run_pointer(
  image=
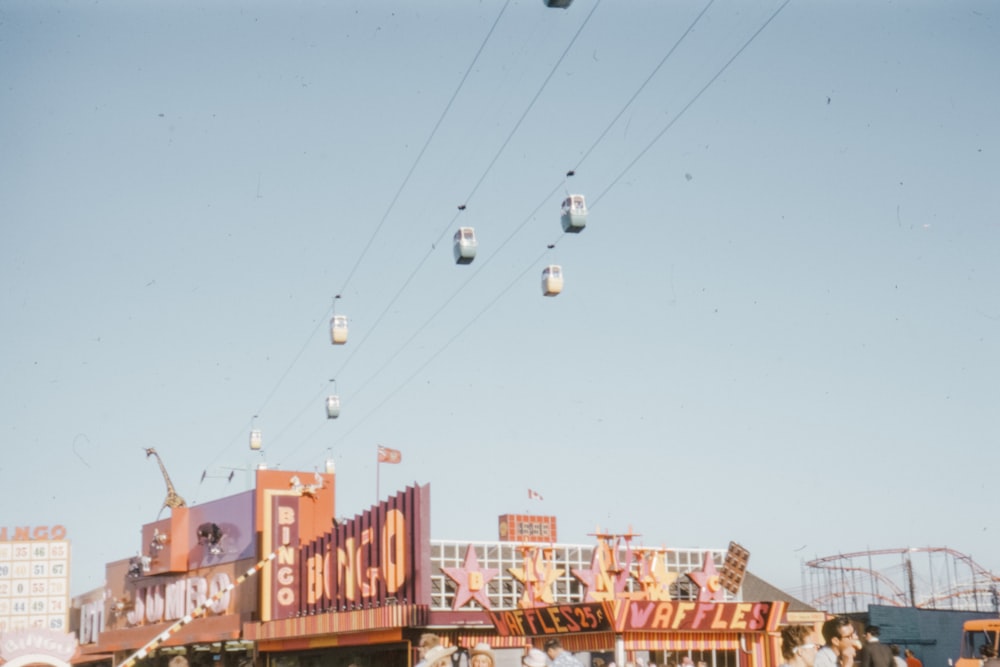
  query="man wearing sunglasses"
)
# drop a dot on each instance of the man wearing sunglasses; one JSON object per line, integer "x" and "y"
{"x": 841, "y": 644}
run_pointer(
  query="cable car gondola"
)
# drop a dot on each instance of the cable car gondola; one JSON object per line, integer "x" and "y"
{"x": 256, "y": 440}
{"x": 574, "y": 214}
{"x": 465, "y": 245}
{"x": 332, "y": 407}
{"x": 552, "y": 280}
{"x": 338, "y": 329}
{"x": 560, "y": 4}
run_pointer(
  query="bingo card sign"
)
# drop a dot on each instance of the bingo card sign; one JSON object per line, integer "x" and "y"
{"x": 34, "y": 578}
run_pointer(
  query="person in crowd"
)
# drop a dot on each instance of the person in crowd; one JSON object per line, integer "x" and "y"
{"x": 559, "y": 656}
{"x": 875, "y": 653}
{"x": 481, "y": 655}
{"x": 989, "y": 654}
{"x": 897, "y": 657}
{"x": 841, "y": 643}
{"x": 911, "y": 659}
{"x": 427, "y": 641}
{"x": 799, "y": 645}
{"x": 438, "y": 655}
{"x": 534, "y": 658}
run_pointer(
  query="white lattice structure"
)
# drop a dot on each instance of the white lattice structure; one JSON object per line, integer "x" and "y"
{"x": 504, "y": 590}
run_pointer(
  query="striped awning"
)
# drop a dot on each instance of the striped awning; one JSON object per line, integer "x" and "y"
{"x": 469, "y": 638}
{"x": 91, "y": 658}
{"x": 681, "y": 641}
{"x": 576, "y": 643}
{"x": 393, "y": 616}
{"x": 591, "y": 641}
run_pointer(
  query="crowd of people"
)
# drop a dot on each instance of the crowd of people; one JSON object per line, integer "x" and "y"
{"x": 837, "y": 645}
{"x": 434, "y": 654}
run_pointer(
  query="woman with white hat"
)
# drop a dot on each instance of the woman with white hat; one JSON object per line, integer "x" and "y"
{"x": 482, "y": 656}
{"x": 535, "y": 658}
{"x": 439, "y": 656}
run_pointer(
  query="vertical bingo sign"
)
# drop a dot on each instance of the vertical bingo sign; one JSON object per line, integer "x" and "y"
{"x": 34, "y": 578}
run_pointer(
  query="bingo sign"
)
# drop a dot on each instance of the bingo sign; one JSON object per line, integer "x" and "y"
{"x": 34, "y": 578}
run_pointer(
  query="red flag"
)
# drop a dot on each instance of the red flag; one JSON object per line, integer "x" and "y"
{"x": 388, "y": 455}
{"x": 534, "y": 495}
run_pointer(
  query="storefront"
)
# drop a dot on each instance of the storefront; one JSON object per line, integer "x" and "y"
{"x": 360, "y": 592}
{"x": 202, "y": 575}
{"x": 369, "y": 588}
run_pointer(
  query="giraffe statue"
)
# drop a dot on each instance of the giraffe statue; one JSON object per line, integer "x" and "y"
{"x": 173, "y": 498}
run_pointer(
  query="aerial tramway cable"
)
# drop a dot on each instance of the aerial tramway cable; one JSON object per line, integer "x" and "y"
{"x": 385, "y": 216}
{"x": 604, "y": 192}
{"x": 595, "y": 201}
{"x": 437, "y": 240}
{"x": 690, "y": 103}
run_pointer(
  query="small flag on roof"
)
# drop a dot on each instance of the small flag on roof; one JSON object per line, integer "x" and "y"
{"x": 389, "y": 455}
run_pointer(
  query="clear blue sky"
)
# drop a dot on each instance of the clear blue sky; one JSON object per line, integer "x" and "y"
{"x": 780, "y": 326}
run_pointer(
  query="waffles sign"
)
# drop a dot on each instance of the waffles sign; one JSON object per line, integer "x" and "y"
{"x": 696, "y": 616}
{"x": 552, "y": 620}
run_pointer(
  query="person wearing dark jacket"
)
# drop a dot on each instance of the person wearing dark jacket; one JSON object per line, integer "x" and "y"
{"x": 874, "y": 653}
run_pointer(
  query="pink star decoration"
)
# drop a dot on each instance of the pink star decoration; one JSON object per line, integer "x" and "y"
{"x": 470, "y": 581}
{"x": 537, "y": 576}
{"x": 599, "y": 584}
{"x": 708, "y": 581}
{"x": 652, "y": 574}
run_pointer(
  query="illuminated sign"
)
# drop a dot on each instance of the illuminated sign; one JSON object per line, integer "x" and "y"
{"x": 537, "y": 576}
{"x": 527, "y": 528}
{"x": 470, "y": 580}
{"x": 91, "y": 622}
{"x": 805, "y": 617}
{"x": 694, "y": 616}
{"x": 552, "y": 620}
{"x": 37, "y": 533}
{"x": 372, "y": 559}
{"x": 734, "y": 568}
{"x": 34, "y": 579}
{"x": 32, "y": 647}
{"x": 284, "y": 583}
{"x": 169, "y": 602}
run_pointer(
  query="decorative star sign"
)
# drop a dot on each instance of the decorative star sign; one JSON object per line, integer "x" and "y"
{"x": 710, "y": 588}
{"x": 598, "y": 582}
{"x": 537, "y": 576}
{"x": 653, "y": 576}
{"x": 548, "y": 575}
{"x": 624, "y": 569}
{"x": 470, "y": 581}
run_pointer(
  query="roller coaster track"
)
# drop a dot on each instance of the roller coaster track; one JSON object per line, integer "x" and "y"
{"x": 863, "y": 577}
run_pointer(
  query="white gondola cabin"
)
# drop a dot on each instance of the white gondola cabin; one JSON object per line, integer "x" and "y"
{"x": 332, "y": 407}
{"x": 574, "y": 214}
{"x": 338, "y": 329}
{"x": 256, "y": 440}
{"x": 552, "y": 280}
{"x": 465, "y": 245}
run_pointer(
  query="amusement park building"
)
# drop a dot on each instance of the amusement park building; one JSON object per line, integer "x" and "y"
{"x": 270, "y": 577}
